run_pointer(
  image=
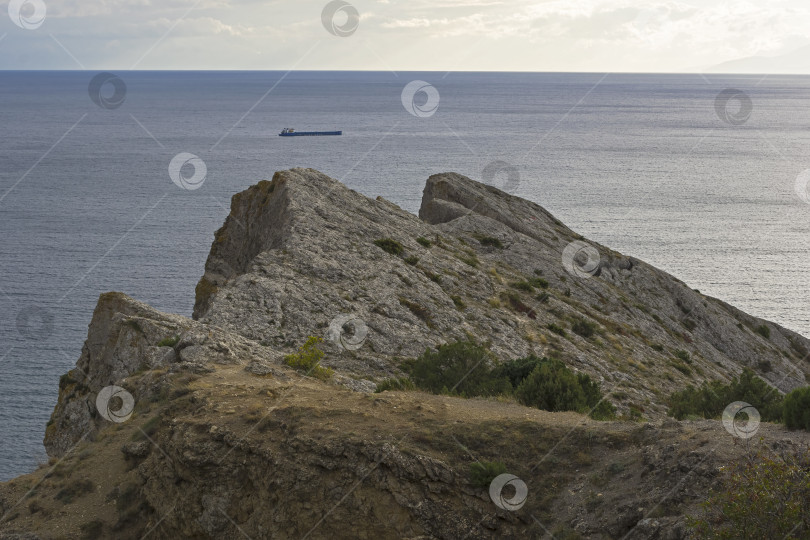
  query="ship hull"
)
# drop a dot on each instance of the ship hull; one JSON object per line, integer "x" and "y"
{"x": 310, "y": 133}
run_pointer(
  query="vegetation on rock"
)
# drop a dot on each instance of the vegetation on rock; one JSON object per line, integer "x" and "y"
{"x": 308, "y": 359}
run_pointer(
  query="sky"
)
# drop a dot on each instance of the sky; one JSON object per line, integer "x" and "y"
{"x": 442, "y": 35}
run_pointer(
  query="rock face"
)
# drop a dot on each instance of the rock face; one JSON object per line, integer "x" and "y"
{"x": 224, "y": 439}
{"x": 297, "y": 252}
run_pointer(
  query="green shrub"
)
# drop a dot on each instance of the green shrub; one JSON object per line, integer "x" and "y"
{"x": 522, "y": 286}
{"x": 308, "y": 359}
{"x": 462, "y": 368}
{"x": 554, "y": 387}
{"x": 424, "y": 241}
{"x": 471, "y": 260}
{"x": 557, "y": 329}
{"x": 400, "y": 383}
{"x": 797, "y": 409}
{"x": 761, "y": 497}
{"x": 458, "y": 301}
{"x": 482, "y": 473}
{"x": 169, "y": 341}
{"x": 657, "y": 347}
{"x": 389, "y": 245}
{"x": 517, "y": 370}
{"x": 542, "y": 297}
{"x": 76, "y": 488}
{"x": 710, "y": 399}
{"x": 435, "y": 278}
{"x": 763, "y": 331}
{"x": 417, "y": 309}
{"x": 489, "y": 241}
{"x": 584, "y": 328}
{"x": 689, "y": 324}
{"x": 538, "y": 282}
{"x": 681, "y": 354}
{"x": 412, "y": 260}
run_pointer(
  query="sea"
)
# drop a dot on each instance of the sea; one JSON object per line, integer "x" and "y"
{"x": 116, "y": 181}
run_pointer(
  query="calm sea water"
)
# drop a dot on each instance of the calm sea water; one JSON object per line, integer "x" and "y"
{"x": 643, "y": 164}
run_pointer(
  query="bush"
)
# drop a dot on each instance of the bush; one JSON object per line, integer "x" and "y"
{"x": 401, "y": 383}
{"x": 763, "y": 331}
{"x": 554, "y": 387}
{"x": 424, "y": 242}
{"x": 522, "y": 286}
{"x": 308, "y": 359}
{"x": 462, "y": 368}
{"x": 797, "y": 409}
{"x": 75, "y": 489}
{"x": 538, "y": 282}
{"x": 557, "y": 329}
{"x": 489, "y": 241}
{"x": 680, "y": 354}
{"x": 709, "y": 400}
{"x": 583, "y": 328}
{"x": 459, "y": 303}
{"x": 762, "y": 497}
{"x": 482, "y": 473}
{"x": 517, "y": 370}
{"x": 169, "y": 341}
{"x": 389, "y": 245}
{"x": 412, "y": 260}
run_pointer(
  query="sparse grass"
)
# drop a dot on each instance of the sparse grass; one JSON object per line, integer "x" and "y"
{"x": 400, "y": 383}
{"x": 417, "y": 309}
{"x": 459, "y": 303}
{"x": 489, "y": 241}
{"x": 524, "y": 286}
{"x": 682, "y": 355}
{"x": 557, "y": 329}
{"x": 435, "y": 278}
{"x": 148, "y": 429}
{"x": 764, "y": 331}
{"x": 412, "y": 260}
{"x": 584, "y": 328}
{"x": 169, "y": 341}
{"x": 471, "y": 260}
{"x": 424, "y": 242}
{"x": 482, "y": 473}
{"x": 75, "y": 489}
{"x": 389, "y": 245}
{"x": 542, "y": 297}
{"x": 539, "y": 282}
{"x": 689, "y": 324}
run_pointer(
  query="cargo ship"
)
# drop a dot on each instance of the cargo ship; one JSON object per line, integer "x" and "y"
{"x": 289, "y": 132}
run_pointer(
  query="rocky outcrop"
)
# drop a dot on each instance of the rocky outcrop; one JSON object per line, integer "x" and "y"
{"x": 213, "y": 436}
{"x": 298, "y": 252}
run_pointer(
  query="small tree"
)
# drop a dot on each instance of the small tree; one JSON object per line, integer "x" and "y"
{"x": 762, "y": 497}
{"x": 797, "y": 409}
{"x": 462, "y": 368}
{"x": 308, "y": 359}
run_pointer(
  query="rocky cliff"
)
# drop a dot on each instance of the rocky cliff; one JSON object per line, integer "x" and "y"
{"x": 203, "y": 432}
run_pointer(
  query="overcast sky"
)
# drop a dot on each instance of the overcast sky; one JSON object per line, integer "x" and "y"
{"x": 509, "y": 35}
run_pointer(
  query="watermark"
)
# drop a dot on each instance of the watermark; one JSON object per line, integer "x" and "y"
{"x": 185, "y": 161}
{"x": 99, "y": 94}
{"x": 516, "y": 501}
{"x": 115, "y": 404}
{"x": 581, "y": 259}
{"x": 35, "y": 323}
{"x": 27, "y": 14}
{"x": 741, "y": 419}
{"x": 421, "y": 108}
{"x": 802, "y": 180}
{"x": 498, "y": 168}
{"x": 349, "y": 332}
{"x": 340, "y": 18}
{"x": 731, "y": 114}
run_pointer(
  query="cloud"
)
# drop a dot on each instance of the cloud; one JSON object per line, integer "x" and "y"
{"x": 592, "y": 35}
